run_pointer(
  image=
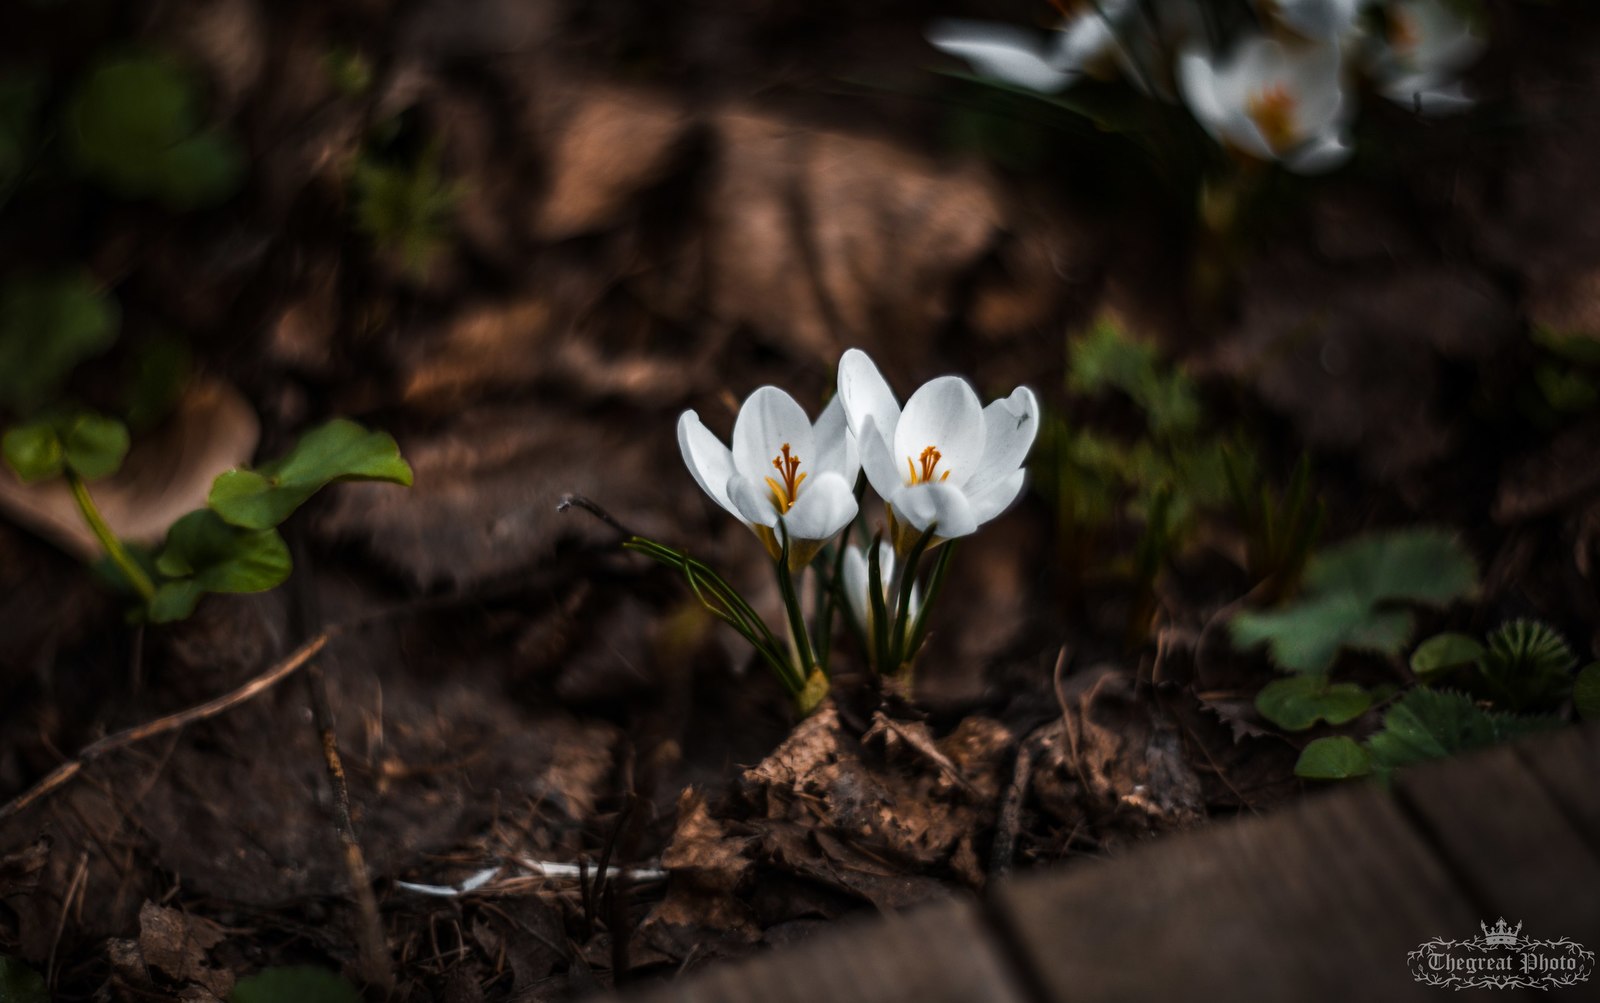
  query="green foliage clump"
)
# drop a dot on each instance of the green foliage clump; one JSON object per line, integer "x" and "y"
{"x": 1526, "y": 665}
{"x": 1424, "y": 724}
{"x": 1352, "y": 596}
{"x": 1351, "y": 601}
{"x": 294, "y": 984}
{"x": 134, "y": 124}
{"x": 88, "y": 444}
{"x": 406, "y": 208}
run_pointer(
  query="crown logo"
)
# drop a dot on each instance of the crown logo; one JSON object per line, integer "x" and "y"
{"x": 1500, "y": 935}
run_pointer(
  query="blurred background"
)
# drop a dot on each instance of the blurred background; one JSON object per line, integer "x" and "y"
{"x": 522, "y": 236}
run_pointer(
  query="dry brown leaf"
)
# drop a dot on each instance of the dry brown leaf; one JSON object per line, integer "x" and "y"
{"x": 167, "y": 474}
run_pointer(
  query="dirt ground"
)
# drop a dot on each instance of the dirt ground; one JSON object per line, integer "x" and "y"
{"x": 663, "y": 208}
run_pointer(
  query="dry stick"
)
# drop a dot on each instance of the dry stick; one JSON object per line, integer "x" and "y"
{"x": 161, "y": 725}
{"x": 375, "y": 961}
{"x": 1009, "y": 823}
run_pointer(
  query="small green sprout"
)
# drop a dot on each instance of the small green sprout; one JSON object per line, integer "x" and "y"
{"x": 1526, "y": 665}
{"x": 407, "y": 208}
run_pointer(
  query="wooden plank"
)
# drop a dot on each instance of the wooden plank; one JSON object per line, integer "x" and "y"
{"x": 1319, "y": 903}
{"x": 1509, "y": 844}
{"x": 934, "y": 954}
{"x": 1567, "y": 762}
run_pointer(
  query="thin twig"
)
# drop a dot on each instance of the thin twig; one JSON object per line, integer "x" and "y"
{"x": 1009, "y": 822}
{"x": 75, "y": 888}
{"x": 595, "y": 509}
{"x": 161, "y": 725}
{"x": 375, "y": 961}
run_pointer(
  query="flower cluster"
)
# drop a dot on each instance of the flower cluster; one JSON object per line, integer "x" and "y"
{"x": 1269, "y": 78}
{"x": 943, "y": 465}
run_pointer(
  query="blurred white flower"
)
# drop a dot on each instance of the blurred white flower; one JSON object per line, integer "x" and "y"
{"x": 781, "y": 469}
{"x": 1422, "y": 48}
{"x": 1272, "y": 101}
{"x": 858, "y": 585}
{"x": 1317, "y": 20}
{"x": 945, "y": 459}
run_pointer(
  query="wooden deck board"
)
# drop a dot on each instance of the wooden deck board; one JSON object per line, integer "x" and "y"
{"x": 935, "y": 954}
{"x": 1507, "y": 841}
{"x": 1320, "y": 904}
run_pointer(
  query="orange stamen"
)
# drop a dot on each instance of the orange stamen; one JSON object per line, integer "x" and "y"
{"x": 929, "y": 465}
{"x": 784, "y": 492}
{"x": 1272, "y": 110}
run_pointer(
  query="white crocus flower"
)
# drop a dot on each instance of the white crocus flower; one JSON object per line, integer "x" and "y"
{"x": 1272, "y": 101}
{"x": 1086, "y": 44}
{"x": 858, "y": 585}
{"x": 1424, "y": 46}
{"x": 1318, "y": 20}
{"x": 781, "y": 469}
{"x": 944, "y": 460}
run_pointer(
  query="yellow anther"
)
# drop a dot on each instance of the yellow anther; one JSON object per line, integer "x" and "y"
{"x": 784, "y": 491}
{"x": 1272, "y": 110}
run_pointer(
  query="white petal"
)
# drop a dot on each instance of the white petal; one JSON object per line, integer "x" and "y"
{"x": 708, "y": 460}
{"x": 1427, "y": 98}
{"x": 997, "y": 495}
{"x": 1000, "y": 51}
{"x": 1319, "y": 156}
{"x": 826, "y": 505}
{"x": 1009, "y": 428}
{"x": 928, "y": 504}
{"x": 768, "y": 420}
{"x": 864, "y": 393}
{"x": 878, "y": 461}
{"x": 835, "y": 443}
{"x": 944, "y": 413}
{"x": 1197, "y": 81}
{"x": 856, "y": 583}
{"x": 752, "y": 501}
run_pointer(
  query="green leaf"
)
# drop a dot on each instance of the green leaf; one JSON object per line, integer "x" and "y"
{"x": 341, "y": 450}
{"x": 48, "y": 325}
{"x": 1432, "y": 724}
{"x": 134, "y": 124}
{"x": 406, "y": 208}
{"x": 200, "y": 172}
{"x": 294, "y": 984}
{"x": 94, "y": 445}
{"x": 1444, "y": 653}
{"x": 204, "y": 554}
{"x": 19, "y": 983}
{"x": 1528, "y": 665}
{"x": 1586, "y": 692}
{"x": 1298, "y": 702}
{"x": 1337, "y": 758}
{"x": 33, "y": 451}
{"x": 1347, "y": 591}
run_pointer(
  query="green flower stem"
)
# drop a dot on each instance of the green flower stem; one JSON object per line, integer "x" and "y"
{"x": 908, "y": 577}
{"x": 791, "y": 603}
{"x": 114, "y": 549}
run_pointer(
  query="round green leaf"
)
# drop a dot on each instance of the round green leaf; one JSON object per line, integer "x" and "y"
{"x": 1335, "y": 758}
{"x": 1586, "y": 692}
{"x": 20, "y": 984}
{"x": 1298, "y": 702}
{"x": 48, "y": 325}
{"x": 294, "y": 984}
{"x": 124, "y": 116}
{"x": 1444, "y": 653}
{"x": 33, "y": 451}
{"x": 94, "y": 445}
{"x": 341, "y": 450}
{"x": 204, "y": 554}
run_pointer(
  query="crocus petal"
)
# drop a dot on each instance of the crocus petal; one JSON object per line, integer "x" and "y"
{"x": 826, "y": 505}
{"x": 752, "y": 502}
{"x": 944, "y": 413}
{"x": 996, "y": 495}
{"x": 834, "y": 443}
{"x": 924, "y": 505}
{"x": 885, "y": 476}
{"x": 1319, "y": 156}
{"x": 768, "y": 420}
{"x": 1427, "y": 98}
{"x": 865, "y": 394}
{"x": 1000, "y": 51}
{"x": 1197, "y": 82}
{"x": 1009, "y": 428}
{"x": 708, "y": 460}
{"x": 857, "y": 580}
